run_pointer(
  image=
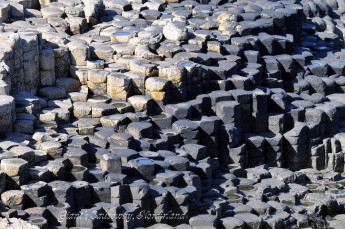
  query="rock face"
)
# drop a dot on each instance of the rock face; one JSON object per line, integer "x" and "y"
{"x": 175, "y": 31}
{"x": 13, "y": 223}
{"x": 7, "y": 113}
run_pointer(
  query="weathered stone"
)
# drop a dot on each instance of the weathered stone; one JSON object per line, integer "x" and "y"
{"x": 14, "y": 167}
{"x": 175, "y": 31}
{"x": 13, "y": 198}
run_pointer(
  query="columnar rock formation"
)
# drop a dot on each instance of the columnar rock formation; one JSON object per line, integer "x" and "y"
{"x": 225, "y": 114}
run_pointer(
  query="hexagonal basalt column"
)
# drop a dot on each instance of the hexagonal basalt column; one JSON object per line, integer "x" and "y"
{"x": 7, "y": 113}
{"x": 144, "y": 167}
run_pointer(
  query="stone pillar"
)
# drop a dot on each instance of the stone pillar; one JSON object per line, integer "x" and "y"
{"x": 7, "y": 113}
{"x": 62, "y": 61}
{"x": 29, "y": 43}
{"x": 47, "y": 65}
